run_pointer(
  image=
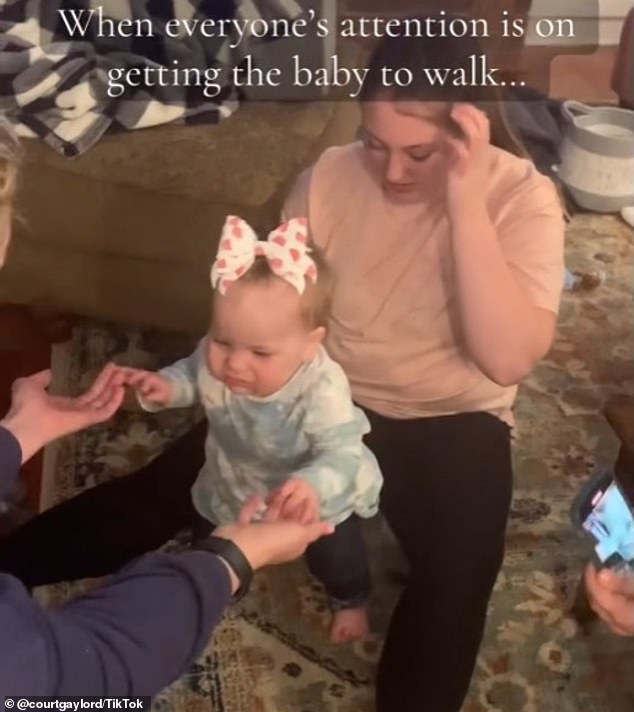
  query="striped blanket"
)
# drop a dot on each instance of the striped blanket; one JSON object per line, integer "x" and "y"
{"x": 70, "y": 71}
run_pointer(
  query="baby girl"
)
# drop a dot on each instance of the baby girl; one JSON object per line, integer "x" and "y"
{"x": 281, "y": 421}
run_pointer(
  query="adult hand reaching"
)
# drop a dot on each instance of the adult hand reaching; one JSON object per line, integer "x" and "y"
{"x": 612, "y": 597}
{"x": 151, "y": 387}
{"x": 267, "y": 543}
{"x": 37, "y": 417}
{"x": 295, "y": 500}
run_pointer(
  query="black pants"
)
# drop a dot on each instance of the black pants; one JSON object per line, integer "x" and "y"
{"x": 339, "y": 561}
{"x": 446, "y": 496}
{"x": 100, "y": 530}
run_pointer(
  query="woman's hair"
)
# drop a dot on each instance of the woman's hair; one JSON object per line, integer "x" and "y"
{"x": 10, "y": 159}
{"x": 315, "y": 300}
{"x": 415, "y": 54}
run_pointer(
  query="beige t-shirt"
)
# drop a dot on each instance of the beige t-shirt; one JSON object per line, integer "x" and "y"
{"x": 395, "y": 327}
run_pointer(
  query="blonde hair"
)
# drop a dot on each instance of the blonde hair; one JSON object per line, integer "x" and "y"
{"x": 314, "y": 301}
{"x": 10, "y": 160}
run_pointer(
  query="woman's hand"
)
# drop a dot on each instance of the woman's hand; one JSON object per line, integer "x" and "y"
{"x": 267, "y": 543}
{"x": 36, "y": 417}
{"x": 295, "y": 500}
{"x": 612, "y": 597}
{"x": 467, "y": 157}
{"x": 505, "y": 333}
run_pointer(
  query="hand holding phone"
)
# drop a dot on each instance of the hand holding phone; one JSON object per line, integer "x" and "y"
{"x": 612, "y": 597}
{"x": 603, "y": 511}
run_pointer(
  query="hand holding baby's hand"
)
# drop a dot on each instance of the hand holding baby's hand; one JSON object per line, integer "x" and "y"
{"x": 149, "y": 385}
{"x": 296, "y": 501}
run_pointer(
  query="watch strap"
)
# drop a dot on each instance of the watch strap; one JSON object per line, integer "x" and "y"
{"x": 232, "y": 554}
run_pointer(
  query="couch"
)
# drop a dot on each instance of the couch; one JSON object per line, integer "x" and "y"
{"x": 127, "y": 231}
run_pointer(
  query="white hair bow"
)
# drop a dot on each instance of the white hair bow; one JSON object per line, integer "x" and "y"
{"x": 286, "y": 251}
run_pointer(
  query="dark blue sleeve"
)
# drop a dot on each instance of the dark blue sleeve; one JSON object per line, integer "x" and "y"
{"x": 134, "y": 635}
{"x": 10, "y": 461}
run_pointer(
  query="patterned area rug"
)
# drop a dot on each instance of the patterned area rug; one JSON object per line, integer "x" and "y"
{"x": 271, "y": 653}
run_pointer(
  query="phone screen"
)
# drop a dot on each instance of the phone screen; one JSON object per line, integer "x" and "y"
{"x": 611, "y": 523}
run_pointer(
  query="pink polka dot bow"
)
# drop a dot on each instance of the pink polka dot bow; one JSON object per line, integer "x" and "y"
{"x": 286, "y": 251}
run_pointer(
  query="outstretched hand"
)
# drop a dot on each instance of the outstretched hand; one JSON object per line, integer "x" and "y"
{"x": 149, "y": 385}
{"x": 36, "y": 417}
{"x": 266, "y": 543}
{"x": 296, "y": 500}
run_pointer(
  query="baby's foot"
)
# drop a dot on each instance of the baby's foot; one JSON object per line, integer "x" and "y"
{"x": 349, "y": 624}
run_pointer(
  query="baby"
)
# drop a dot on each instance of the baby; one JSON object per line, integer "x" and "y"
{"x": 281, "y": 420}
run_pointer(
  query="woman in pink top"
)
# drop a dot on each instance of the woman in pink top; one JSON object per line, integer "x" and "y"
{"x": 448, "y": 257}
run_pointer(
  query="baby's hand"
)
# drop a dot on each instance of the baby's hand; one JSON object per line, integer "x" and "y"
{"x": 149, "y": 385}
{"x": 295, "y": 501}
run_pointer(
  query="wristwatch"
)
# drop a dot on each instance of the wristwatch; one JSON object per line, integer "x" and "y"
{"x": 228, "y": 551}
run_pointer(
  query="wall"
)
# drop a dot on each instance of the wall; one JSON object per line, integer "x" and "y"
{"x": 583, "y": 12}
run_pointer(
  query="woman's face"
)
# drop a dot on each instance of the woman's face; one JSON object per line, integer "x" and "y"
{"x": 404, "y": 147}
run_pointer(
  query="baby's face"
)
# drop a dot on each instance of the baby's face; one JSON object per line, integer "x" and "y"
{"x": 258, "y": 339}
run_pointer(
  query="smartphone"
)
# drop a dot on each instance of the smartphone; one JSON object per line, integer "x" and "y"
{"x": 603, "y": 510}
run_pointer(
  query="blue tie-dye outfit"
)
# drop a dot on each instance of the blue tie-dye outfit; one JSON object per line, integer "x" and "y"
{"x": 310, "y": 429}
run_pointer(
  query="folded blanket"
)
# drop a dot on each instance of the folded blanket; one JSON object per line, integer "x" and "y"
{"x": 69, "y": 72}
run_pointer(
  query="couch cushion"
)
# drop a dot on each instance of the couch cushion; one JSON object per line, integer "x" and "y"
{"x": 161, "y": 194}
{"x": 127, "y": 231}
{"x": 243, "y": 159}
